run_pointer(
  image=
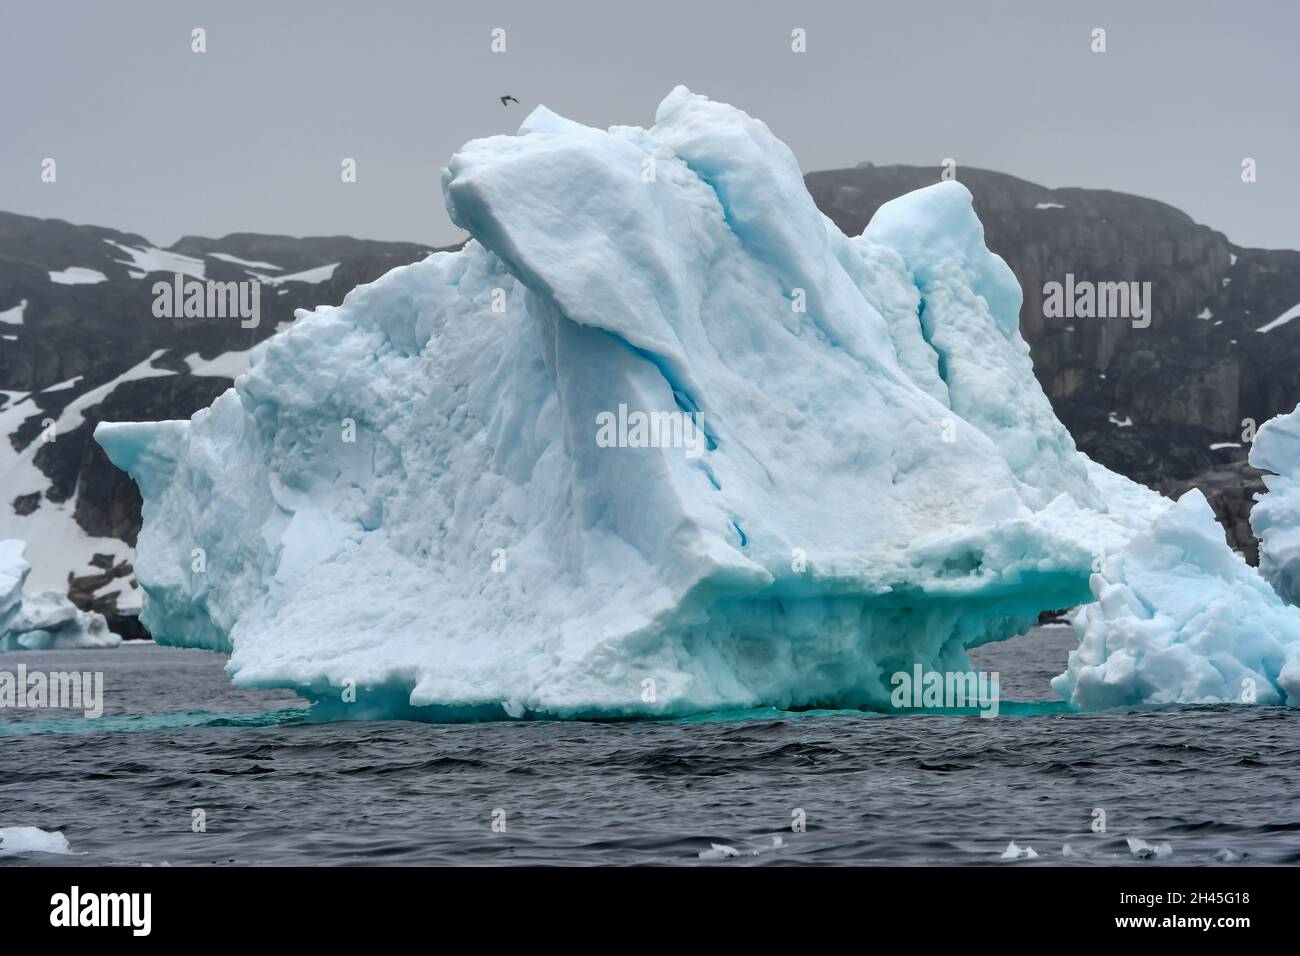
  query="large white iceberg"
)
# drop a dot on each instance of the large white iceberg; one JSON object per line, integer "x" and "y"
{"x": 1275, "y": 518}
{"x": 420, "y": 494}
{"x": 43, "y": 621}
{"x": 1181, "y": 618}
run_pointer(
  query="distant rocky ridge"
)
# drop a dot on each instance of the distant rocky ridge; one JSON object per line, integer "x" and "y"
{"x": 1150, "y": 403}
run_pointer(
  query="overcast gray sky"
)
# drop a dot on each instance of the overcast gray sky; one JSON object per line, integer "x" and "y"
{"x": 152, "y": 138}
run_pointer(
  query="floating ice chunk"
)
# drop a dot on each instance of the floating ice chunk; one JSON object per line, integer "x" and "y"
{"x": 1180, "y": 618}
{"x": 1275, "y": 518}
{"x": 44, "y": 621}
{"x": 406, "y": 494}
{"x": 20, "y": 841}
{"x": 719, "y": 851}
{"x": 1016, "y": 852}
{"x": 1148, "y": 851}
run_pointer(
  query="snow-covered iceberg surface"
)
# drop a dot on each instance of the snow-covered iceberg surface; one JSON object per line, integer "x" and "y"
{"x": 45, "y": 621}
{"x": 1275, "y": 518}
{"x": 1181, "y": 618}
{"x": 660, "y": 439}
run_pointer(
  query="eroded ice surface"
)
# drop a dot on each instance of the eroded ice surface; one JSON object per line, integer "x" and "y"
{"x": 883, "y": 482}
{"x": 1181, "y": 618}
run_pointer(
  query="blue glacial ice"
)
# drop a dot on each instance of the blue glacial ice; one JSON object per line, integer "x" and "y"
{"x": 1275, "y": 518}
{"x": 45, "y": 621}
{"x": 408, "y": 494}
{"x": 1181, "y": 618}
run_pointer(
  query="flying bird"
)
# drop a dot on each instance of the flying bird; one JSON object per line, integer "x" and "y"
{"x": 508, "y": 99}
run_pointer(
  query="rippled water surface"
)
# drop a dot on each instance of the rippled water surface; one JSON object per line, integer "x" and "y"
{"x": 1215, "y": 783}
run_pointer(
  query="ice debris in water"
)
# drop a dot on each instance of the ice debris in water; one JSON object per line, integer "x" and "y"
{"x": 45, "y": 621}
{"x": 1181, "y": 618}
{"x": 1015, "y": 852}
{"x": 1147, "y": 851}
{"x": 17, "y": 841}
{"x": 719, "y": 851}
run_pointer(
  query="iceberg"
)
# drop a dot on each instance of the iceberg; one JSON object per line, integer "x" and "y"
{"x": 1275, "y": 518}
{"x": 46, "y": 621}
{"x": 20, "y": 841}
{"x": 1181, "y": 618}
{"x": 417, "y": 503}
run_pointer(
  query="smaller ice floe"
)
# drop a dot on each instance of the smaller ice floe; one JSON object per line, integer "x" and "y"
{"x": 719, "y": 851}
{"x": 312, "y": 276}
{"x": 19, "y": 841}
{"x": 1275, "y": 519}
{"x": 1016, "y": 852}
{"x": 46, "y": 621}
{"x": 77, "y": 275}
{"x": 1148, "y": 851}
{"x": 1206, "y": 313}
{"x": 1227, "y": 856}
{"x": 1181, "y": 618}
{"x": 1114, "y": 419}
{"x": 1069, "y": 851}
{"x": 1049, "y": 205}
{"x": 1220, "y": 445}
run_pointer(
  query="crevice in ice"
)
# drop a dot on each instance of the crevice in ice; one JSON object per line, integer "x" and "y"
{"x": 941, "y": 360}
{"x": 682, "y": 397}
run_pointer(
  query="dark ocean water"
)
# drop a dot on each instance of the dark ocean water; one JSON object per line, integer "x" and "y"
{"x": 1217, "y": 784}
